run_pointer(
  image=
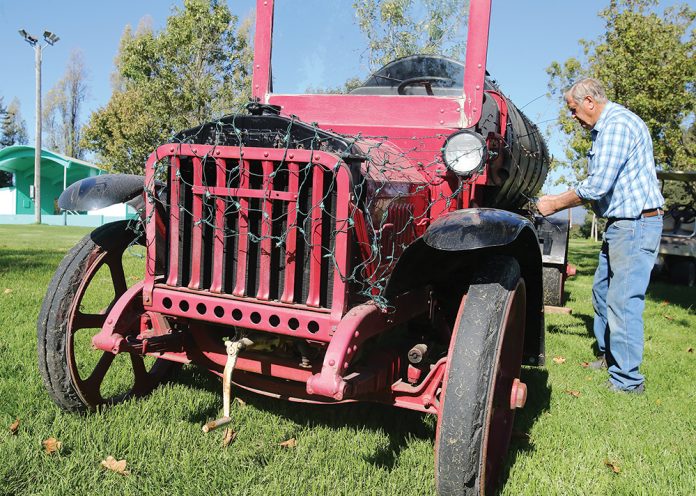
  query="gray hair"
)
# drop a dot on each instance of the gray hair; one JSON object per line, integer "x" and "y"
{"x": 586, "y": 87}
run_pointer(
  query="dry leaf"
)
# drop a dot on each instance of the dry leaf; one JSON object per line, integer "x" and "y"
{"x": 574, "y": 394}
{"x": 14, "y": 427}
{"x": 7, "y": 291}
{"x": 668, "y": 317}
{"x": 588, "y": 378}
{"x": 658, "y": 402}
{"x": 689, "y": 350}
{"x": 240, "y": 401}
{"x": 290, "y": 443}
{"x": 229, "y": 436}
{"x": 51, "y": 445}
{"x": 584, "y": 364}
{"x": 664, "y": 303}
{"x": 613, "y": 466}
{"x": 118, "y": 466}
{"x": 559, "y": 360}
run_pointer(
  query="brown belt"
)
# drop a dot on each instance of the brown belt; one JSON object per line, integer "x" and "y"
{"x": 652, "y": 212}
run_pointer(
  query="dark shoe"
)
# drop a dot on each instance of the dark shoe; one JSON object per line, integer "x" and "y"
{"x": 599, "y": 364}
{"x": 640, "y": 389}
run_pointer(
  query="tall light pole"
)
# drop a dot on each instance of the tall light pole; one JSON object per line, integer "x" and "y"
{"x": 50, "y": 39}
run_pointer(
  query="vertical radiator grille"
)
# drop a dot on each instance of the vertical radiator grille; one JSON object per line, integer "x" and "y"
{"x": 263, "y": 229}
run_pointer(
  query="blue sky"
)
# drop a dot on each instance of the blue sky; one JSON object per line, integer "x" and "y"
{"x": 525, "y": 36}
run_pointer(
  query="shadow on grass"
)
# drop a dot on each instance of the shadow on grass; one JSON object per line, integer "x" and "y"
{"x": 538, "y": 402}
{"x": 674, "y": 294}
{"x": 399, "y": 425}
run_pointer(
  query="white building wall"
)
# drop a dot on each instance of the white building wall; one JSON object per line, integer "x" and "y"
{"x": 8, "y": 201}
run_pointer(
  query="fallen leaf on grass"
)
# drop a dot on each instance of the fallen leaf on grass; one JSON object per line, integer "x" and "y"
{"x": 118, "y": 466}
{"x": 574, "y": 394}
{"x": 290, "y": 443}
{"x": 613, "y": 466}
{"x": 668, "y": 317}
{"x": 588, "y": 378}
{"x": 7, "y": 290}
{"x": 240, "y": 401}
{"x": 559, "y": 360}
{"x": 658, "y": 402}
{"x": 585, "y": 364}
{"x": 51, "y": 445}
{"x": 229, "y": 436}
{"x": 664, "y": 303}
{"x": 689, "y": 350}
{"x": 14, "y": 427}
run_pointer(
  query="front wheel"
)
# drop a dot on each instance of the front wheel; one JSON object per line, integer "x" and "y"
{"x": 89, "y": 281}
{"x": 481, "y": 388}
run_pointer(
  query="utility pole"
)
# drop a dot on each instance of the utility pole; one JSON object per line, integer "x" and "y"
{"x": 50, "y": 39}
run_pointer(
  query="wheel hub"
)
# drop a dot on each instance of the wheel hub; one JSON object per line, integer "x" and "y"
{"x": 518, "y": 394}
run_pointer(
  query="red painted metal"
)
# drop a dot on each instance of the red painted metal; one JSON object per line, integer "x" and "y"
{"x": 197, "y": 236}
{"x": 360, "y": 324}
{"x": 174, "y": 218}
{"x": 219, "y": 229}
{"x": 261, "y": 79}
{"x": 263, "y": 292}
{"x": 291, "y": 240}
{"x": 316, "y": 232}
{"x": 476, "y": 51}
{"x": 243, "y": 230}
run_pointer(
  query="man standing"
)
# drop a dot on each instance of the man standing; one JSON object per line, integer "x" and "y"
{"x": 621, "y": 186}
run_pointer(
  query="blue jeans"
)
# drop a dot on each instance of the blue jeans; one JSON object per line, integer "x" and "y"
{"x": 628, "y": 254}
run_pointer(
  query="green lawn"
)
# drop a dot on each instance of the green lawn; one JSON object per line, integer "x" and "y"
{"x": 567, "y": 439}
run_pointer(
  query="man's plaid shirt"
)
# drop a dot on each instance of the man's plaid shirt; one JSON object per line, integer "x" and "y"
{"x": 621, "y": 180}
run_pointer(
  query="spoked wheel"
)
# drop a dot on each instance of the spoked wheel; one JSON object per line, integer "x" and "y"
{"x": 481, "y": 388}
{"x": 86, "y": 285}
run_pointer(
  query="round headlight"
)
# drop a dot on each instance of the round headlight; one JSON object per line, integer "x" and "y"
{"x": 465, "y": 152}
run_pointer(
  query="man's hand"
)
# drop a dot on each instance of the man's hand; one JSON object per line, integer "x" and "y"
{"x": 547, "y": 205}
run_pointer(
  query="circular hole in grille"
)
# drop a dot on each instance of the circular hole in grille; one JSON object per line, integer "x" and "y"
{"x": 183, "y": 305}
{"x": 274, "y": 320}
{"x": 167, "y": 302}
{"x": 313, "y": 327}
{"x": 293, "y": 323}
{"x": 255, "y": 317}
{"x": 237, "y": 314}
{"x": 200, "y": 308}
{"x": 219, "y": 312}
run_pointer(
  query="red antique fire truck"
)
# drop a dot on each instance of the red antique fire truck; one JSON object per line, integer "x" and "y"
{"x": 330, "y": 248}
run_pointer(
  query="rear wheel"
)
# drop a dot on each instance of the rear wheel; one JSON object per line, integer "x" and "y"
{"x": 86, "y": 285}
{"x": 481, "y": 388}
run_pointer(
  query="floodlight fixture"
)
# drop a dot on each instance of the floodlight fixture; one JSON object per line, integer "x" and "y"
{"x": 32, "y": 40}
{"x": 50, "y": 38}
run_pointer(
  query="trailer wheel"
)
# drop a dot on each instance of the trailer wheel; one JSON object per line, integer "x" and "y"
{"x": 77, "y": 377}
{"x": 683, "y": 271}
{"x": 481, "y": 388}
{"x": 553, "y": 286}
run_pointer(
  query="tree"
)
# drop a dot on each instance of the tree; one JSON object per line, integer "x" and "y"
{"x": 647, "y": 61}
{"x": 13, "y": 131}
{"x": 196, "y": 69}
{"x": 63, "y": 107}
{"x": 397, "y": 28}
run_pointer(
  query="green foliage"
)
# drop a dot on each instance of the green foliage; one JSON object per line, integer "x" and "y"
{"x": 13, "y": 131}
{"x": 397, "y": 28}
{"x": 198, "y": 67}
{"x": 647, "y": 61}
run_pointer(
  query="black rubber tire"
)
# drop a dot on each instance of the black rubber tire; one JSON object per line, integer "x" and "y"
{"x": 54, "y": 317}
{"x": 553, "y": 286}
{"x": 468, "y": 384}
{"x": 682, "y": 271}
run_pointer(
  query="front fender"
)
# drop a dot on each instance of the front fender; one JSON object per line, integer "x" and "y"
{"x": 474, "y": 228}
{"x": 101, "y": 191}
